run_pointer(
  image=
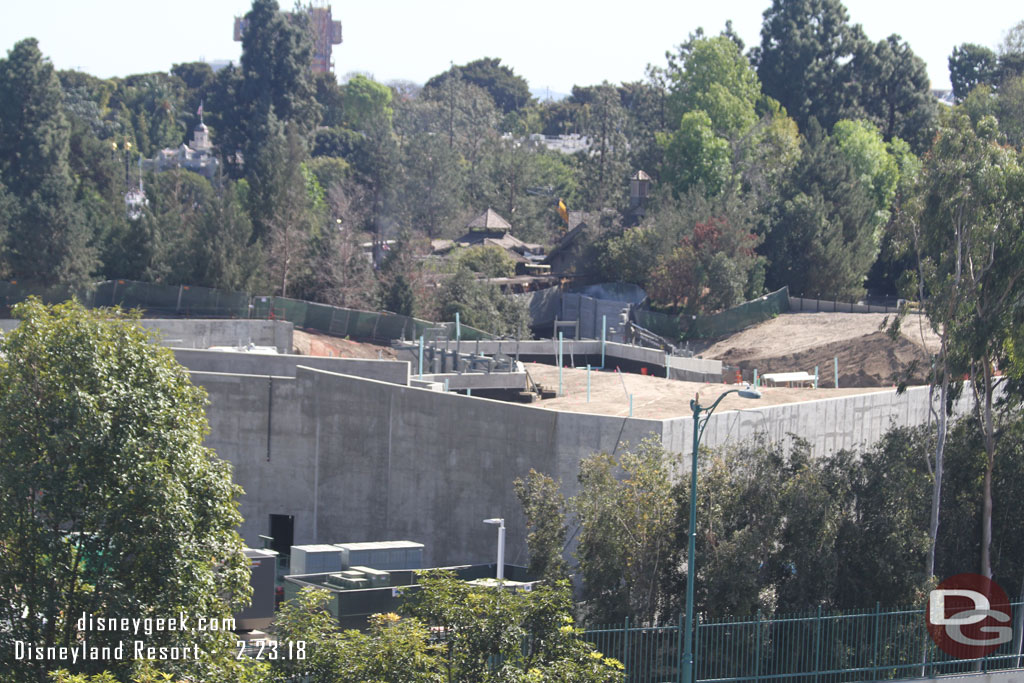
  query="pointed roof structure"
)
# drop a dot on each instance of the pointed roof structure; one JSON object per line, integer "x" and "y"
{"x": 489, "y": 220}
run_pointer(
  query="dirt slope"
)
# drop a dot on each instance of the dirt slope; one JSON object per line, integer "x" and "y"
{"x": 312, "y": 344}
{"x": 801, "y": 341}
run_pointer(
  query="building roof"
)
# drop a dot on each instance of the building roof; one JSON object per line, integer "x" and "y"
{"x": 489, "y": 220}
{"x": 640, "y": 175}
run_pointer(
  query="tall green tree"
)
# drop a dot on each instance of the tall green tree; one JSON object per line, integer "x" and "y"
{"x": 47, "y": 239}
{"x": 894, "y": 92}
{"x": 113, "y": 506}
{"x": 711, "y": 74}
{"x": 972, "y": 244}
{"x": 509, "y": 91}
{"x": 626, "y": 514}
{"x": 804, "y": 60}
{"x": 971, "y": 65}
{"x": 544, "y": 508}
{"x": 605, "y": 165}
{"x": 822, "y": 241}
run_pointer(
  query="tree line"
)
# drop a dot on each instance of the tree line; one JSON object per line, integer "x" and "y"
{"x": 778, "y": 531}
{"x": 789, "y": 163}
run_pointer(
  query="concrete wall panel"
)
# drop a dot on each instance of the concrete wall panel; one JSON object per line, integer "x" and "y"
{"x": 201, "y": 360}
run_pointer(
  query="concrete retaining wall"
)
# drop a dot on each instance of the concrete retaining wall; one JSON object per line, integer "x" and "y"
{"x": 829, "y": 425}
{"x": 202, "y": 334}
{"x": 799, "y": 304}
{"x": 356, "y": 459}
{"x": 201, "y": 360}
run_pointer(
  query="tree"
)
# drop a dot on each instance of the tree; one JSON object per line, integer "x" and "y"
{"x": 219, "y": 253}
{"x": 495, "y": 635}
{"x": 895, "y": 92}
{"x": 112, "y": 505}
{"x": 711, "y": 74}
{"x": 695, "y": 156}
{"x": 482, "y": 305}
{"x": 972, "y": 250}
{"x": 509, "y": 91}
{"x": 862, "y": 145}
{"x": 488, "y": 261}
{"x": 822, "y": 240}
{"x": 366, "y": 103}
{"x": 47, "y": 239}
{"x": 971, "y": 65}
{"x": 708, "y": 270}
{"x": 625, "y": 512}
{"x": 605, "y": 169}
{"x": 393, "y": 651}
{"x": 544, "y": 509}
{"x": 804, "y": 58}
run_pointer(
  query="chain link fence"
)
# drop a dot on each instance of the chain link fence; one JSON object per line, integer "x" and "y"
{"x": 189, "y": 301}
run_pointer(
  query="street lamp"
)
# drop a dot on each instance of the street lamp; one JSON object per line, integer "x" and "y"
{"x": 691, "y": 574}
{"x": 501, "y": 544}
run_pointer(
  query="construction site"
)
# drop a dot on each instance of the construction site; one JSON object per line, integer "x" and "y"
{"x": 410, "y": 430}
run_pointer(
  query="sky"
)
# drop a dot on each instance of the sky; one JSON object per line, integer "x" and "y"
{"x": 553, "y": 44}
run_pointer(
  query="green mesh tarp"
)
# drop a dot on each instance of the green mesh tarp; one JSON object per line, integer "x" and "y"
{"x": 172, "y": 300}
{"x": 15, "y": 292}
{"x": 661, "y": 324}
{"x": 741, "y": 317}
{"x": 203, "y": 302}
{"x": 719, "y": 324}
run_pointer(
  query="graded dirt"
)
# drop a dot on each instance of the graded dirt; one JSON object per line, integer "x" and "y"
{"x": 867, "y": 356}
{"x": 313, "y": 344}
{"x": 657, "y": 397}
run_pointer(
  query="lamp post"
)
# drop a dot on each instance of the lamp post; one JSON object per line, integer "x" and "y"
{"x": 501, "y": 544}
{"x": 691, "y": 574}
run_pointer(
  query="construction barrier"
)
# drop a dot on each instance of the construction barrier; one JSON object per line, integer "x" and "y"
{"x": 204, "y": 302}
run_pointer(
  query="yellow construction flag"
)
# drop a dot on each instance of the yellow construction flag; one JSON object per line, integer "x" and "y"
{"x": 563, "y": 212}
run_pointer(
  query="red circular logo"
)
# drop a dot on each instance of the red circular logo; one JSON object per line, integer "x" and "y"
{"x": 969, "y": 616}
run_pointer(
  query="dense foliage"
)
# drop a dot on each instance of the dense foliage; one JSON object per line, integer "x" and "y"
{"x": 779, "y": 531}
{"x": 112, "y": 505}
{"x": 775, "y": 148}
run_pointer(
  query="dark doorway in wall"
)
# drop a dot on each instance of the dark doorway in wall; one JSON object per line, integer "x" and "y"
{"x": 282, "y": 530}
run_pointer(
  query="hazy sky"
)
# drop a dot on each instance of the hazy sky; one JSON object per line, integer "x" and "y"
{"x": 552, "y": 44}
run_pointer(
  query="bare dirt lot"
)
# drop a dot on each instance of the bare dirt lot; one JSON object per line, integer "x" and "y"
{"x": 313, "y": 344}
{"x": 657, "y": 397}
{"x": 800, "y": 341}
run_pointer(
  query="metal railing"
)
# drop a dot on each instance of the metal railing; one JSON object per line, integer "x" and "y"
{"x": 847, "y": 647}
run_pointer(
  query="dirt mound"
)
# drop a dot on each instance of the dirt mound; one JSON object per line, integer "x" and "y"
{"x": 313, "y": 344}
{"x": 872, "y": 360}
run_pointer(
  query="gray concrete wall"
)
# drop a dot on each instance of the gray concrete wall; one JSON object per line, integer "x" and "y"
{"x": 829, "y": 424}
{"x": 202, "y": 334}
{"x": 256, "y": 423}
{"x": 201, "y": 360}
{"x": 357, "y": 459}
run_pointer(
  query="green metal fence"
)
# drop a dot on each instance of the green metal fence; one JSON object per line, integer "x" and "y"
{"x": 203, "y": 302}
{"x": 717, "y": 325}
{"x": 347, "y": 322}
{"x": 848, "y": 647}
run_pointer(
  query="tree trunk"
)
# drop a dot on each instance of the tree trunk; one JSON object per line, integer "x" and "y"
{"x": 990, "y": 462}
{"x": 940, "y": 447}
